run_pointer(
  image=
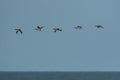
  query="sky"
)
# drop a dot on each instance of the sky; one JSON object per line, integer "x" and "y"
{"x": 89, "y": 49}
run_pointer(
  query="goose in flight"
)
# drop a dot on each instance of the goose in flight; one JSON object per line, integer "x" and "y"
{"x": 39, "y": 28}
{"x": 57, "y": 29}
{"x": 78, "y": 27}
{"x": 18, "y": 30}
{"x": 99, "y": 26}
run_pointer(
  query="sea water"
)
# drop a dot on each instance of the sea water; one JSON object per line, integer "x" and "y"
{"x": 59, "y": 75}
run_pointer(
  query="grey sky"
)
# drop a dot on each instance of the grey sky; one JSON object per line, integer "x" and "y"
{"x": 89, "y": 49}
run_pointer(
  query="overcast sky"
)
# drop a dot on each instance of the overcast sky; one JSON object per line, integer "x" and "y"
{"x": 89, "y": 49}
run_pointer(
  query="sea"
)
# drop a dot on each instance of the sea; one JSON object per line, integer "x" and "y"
{"x": 59, "y": 75}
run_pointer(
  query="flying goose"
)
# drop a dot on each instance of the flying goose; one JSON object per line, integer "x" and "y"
{"x": 78, "y": 27}
{"x": 57, "y": 29}
{"x": 18, "y": 30}
{"x": 39, "y": 28}
{"x": 99, "y": 26}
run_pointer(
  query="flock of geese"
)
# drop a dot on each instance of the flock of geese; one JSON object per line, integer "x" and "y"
{"x": 39, "y": 28}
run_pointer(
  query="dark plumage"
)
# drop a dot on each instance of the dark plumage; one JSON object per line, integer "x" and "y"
{"x": 57, "y": 29}
{"x": 99, "y": 26}
{"x": 39, "y": 28}
{"x": 18, "y": 30}
{"x": 78, "y": 27}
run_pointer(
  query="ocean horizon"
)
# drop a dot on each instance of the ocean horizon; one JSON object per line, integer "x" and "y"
{"x": 59, "y": 75}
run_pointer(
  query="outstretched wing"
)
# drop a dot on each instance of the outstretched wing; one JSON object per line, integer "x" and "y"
{"x": 59, "y": 29}
{"x": 54, "y": 29}
{"x": 42, "y": 27}
{"x": 20, "y": 31}
{"x": 102, "y": 27}
{"x": 38, "y": 27}
{"x": 16, "y": 31}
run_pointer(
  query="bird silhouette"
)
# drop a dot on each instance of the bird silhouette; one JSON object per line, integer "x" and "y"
{"x": 39, "y": 28}
{"x": 18, "y": 30}
{"x": 57, "y": 29}
{"x": 78, "y": 27}
{"x": 99, "y": 26}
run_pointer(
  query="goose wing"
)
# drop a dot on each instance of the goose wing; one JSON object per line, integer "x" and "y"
{"x": 20, "y": 31}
